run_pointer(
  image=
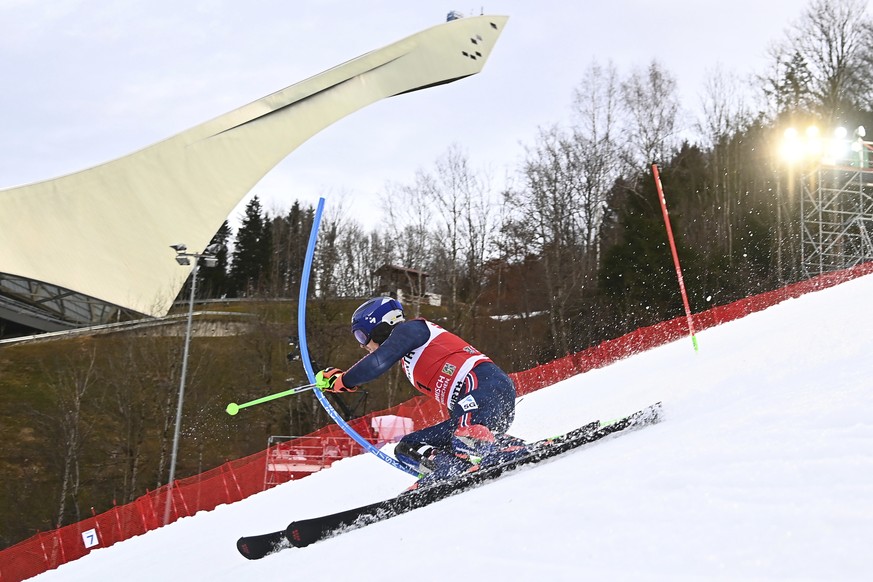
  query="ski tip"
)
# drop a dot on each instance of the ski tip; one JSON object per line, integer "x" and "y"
{"x": 259, "y": 546}
{"x": 245, "y": 549}
{"x": 295, "y": 536}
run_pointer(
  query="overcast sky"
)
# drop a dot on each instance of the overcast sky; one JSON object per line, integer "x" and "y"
{"x": 84, "y": 81}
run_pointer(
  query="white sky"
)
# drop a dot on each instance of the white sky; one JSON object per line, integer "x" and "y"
{"x": 761, "y": 470}
{"x": 84, "y": 82}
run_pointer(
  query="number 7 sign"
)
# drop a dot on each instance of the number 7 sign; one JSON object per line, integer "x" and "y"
{"x": 90, "y": 538}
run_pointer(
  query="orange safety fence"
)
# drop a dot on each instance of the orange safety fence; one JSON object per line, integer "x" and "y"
{"x": 240, "y": 478}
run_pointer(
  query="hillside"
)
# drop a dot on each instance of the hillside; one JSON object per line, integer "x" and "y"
{"x": 100, "y": 406}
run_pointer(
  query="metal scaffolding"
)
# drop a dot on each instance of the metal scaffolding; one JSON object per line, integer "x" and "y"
{"x": 47, "y": 307}
{"x": 836, "y": 213}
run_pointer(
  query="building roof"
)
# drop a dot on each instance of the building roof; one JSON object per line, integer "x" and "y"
{"x": 384, "y": 268}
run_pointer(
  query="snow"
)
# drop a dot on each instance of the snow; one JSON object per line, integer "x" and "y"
{"x": 761, "y": 470}
{"x": 511, "y": 316}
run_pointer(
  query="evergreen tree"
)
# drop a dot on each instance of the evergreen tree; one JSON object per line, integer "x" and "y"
{"x": 251, "y": 253}
{"x": 788, "y": 87}
{"x": 299, "y": 222}
{"x": 215, "y": 282}
{"x": 638, "y": 276}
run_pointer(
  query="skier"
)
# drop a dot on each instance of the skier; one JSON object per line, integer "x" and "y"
{"x": 479, "y": 396}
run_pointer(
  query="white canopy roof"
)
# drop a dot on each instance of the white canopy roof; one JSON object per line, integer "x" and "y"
{"x": 105, "y": 232}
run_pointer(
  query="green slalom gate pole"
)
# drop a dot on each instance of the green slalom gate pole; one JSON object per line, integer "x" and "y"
{"x": 233, "y": 407}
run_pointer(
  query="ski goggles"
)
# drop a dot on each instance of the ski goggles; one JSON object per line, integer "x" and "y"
{"x": 361, "y": 336}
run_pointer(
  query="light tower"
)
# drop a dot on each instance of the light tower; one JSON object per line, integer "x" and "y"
{"x": 836, "y": 199}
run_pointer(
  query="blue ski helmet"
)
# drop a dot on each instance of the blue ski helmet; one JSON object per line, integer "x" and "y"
{"x": 375, "y": 319}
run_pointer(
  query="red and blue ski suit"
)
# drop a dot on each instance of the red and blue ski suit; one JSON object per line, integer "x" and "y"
{"x": 448, "y": 369}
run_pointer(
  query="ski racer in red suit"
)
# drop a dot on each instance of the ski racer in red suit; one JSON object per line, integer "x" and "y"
{"x": 478, "y": 395}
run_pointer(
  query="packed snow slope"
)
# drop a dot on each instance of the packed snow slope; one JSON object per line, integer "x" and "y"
{"x": 761, "y": 470}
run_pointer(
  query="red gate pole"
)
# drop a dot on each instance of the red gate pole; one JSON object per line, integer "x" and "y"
{"x": 675, "y": 255}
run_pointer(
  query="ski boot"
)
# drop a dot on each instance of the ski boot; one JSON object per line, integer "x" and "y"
{"x": 482, "y": 448}
{"x": 431, "y": 463}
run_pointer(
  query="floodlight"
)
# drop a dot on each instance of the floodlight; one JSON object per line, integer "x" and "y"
{"x": 183, "y": 260}
{"x": 179, "y": 248}
{"x": 792, "y": 146}
{"x": 814, "y": 145}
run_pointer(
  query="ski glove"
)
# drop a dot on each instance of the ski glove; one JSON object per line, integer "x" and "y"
{"x": 331, "y": 380}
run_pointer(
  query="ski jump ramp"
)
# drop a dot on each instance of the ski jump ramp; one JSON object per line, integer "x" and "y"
{"x": 79, "y": 249}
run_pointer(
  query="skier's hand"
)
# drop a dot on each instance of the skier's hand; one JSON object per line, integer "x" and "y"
{"x": 331, "y": 380}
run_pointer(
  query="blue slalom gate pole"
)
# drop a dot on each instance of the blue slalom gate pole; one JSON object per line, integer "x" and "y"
{"x": 304, "y": 350}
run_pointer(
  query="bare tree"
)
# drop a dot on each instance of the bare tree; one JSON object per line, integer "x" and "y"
{"x": 515, "y": 247}
{"x": 327, "y": 262}
{"x": 464, "y": 232}
{"x": 128, "y": 381}
{"x": 69, "y": 384}
{"x": 724, "y": 106}
{"x": 409, "y": 217}
{"x": 596, "y": 153}
{"x": 548, "y": 214}
{"x": 724, "y": 115}
{"x": 360, "y": 254}
{"x": 834, "y": 40}
{"x": 649, "y": 98}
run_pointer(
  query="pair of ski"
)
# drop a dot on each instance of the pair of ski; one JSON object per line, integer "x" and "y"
{"x": 304, "y": 532}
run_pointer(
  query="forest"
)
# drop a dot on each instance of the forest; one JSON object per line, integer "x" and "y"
{"x": 569, "y": 252}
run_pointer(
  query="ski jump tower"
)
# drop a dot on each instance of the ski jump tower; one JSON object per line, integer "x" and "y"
{"x": 93, "y": 246}
{"x": 836, "y": 207}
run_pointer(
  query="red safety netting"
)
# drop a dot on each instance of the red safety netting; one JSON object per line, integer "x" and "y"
{"x": 238, "y": 479}
{"x": 647, "y": 338}
{"x": 231, "y": 482}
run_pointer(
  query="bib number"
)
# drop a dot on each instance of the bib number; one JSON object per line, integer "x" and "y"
{"x": 468, "y": 403}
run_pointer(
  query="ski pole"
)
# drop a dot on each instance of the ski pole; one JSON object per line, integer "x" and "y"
{"x": 233, "y": 407}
